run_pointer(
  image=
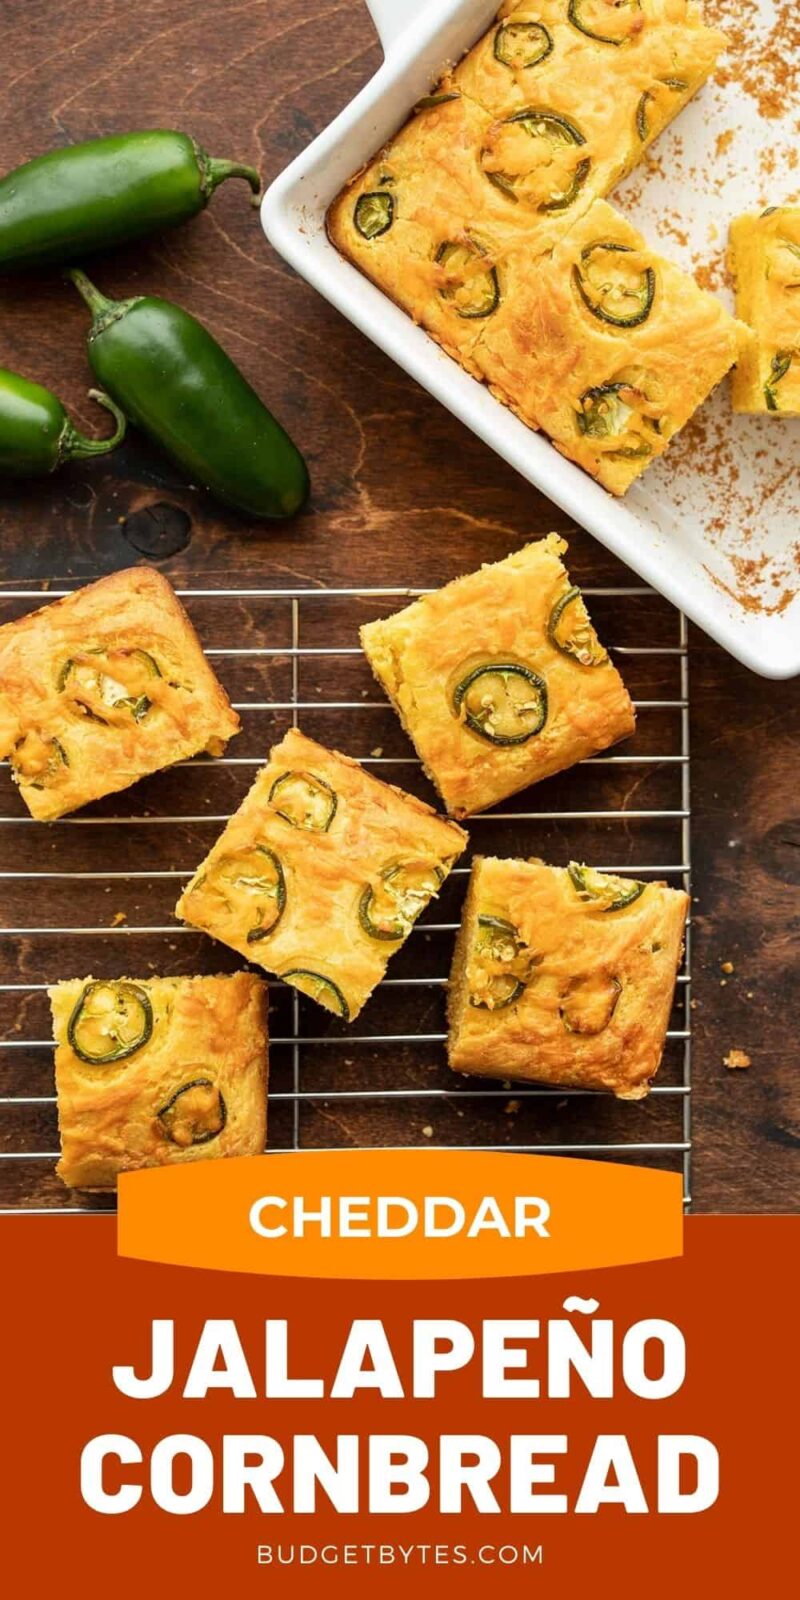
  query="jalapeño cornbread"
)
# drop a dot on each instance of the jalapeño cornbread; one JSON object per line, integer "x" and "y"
{"x": 103, "y": 686}
{"x": 764, "y": 259}
{"x": 321, "y": 873}
{"x": 607, "y": 346}
{"x": 548, "y": 111}
{"x": 564, "y": 976}
{"x": 499, "y": 678}
{"x": 154, "y": 1071}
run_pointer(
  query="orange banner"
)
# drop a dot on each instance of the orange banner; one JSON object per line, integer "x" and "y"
{"x": 400, "y": 1214}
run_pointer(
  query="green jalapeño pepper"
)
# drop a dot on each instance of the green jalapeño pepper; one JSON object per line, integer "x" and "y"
{"x": 36, "y": 434}
{"x": 175, "y": 382}
{"x": 91, "y": 196}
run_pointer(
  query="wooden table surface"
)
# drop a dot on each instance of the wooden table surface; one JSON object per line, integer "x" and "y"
{"x": 402, "y": 494}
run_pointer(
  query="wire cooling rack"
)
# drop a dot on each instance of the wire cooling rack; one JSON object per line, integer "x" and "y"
{"x": 94, "y": 893}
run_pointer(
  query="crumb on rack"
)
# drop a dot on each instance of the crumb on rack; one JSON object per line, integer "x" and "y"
{"x": 736, "y": 1059}
{"x": 118, "y": 918}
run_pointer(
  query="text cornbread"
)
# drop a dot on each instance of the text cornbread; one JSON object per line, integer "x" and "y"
{"x": 764, "y": 259}
{"x": 499, "y": 678}
{"x": 607, "y": 347}
{"x": 156, "y": 1071}
{"x": 564, "y": 976}
{"x": 458, "y": 214}
{"x": 102, "y": 687}
{"x": 321, "y": 873}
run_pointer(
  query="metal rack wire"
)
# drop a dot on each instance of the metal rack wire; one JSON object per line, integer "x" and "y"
{"x": 382, "y": 1078}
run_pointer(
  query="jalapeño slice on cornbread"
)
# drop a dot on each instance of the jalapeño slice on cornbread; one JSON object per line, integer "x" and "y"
{"x": 156, "y": 1071}
{"x": 564, "y": 976}
{"x": 499, "y": 678}
{"x": 764, "y": 259}
{"x": 606, "y": 346}
{"x": 102, "y": 687}
{"x": 321, "y": 873}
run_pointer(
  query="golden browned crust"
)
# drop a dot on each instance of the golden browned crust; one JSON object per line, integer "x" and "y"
{"x": 493, "y": 170}
{"x": 304, "y": 920}
{"x": 501, "y": 613}
{"x": 103, "y": 686}
{"x": 207, "y": 1030}
{"x": 764, "y": 258}
{"x": 595, "y": 986}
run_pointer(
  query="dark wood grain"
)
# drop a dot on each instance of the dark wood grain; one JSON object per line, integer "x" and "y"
{"x": 402, "y": 494}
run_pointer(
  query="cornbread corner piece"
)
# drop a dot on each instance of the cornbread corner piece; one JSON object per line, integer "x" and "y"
{"x": 764, "y": 260}
{"x": 499, "y": 678}
{"x": 578, "y": 90}
{"x": 321, "y": 873}
{"x": 564, "y": 976}
{"x": 608, "y": 347}
{"x": 154, "y": 1072}
{"x": 102, "y": 687}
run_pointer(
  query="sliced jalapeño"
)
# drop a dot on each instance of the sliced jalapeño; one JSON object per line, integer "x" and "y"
{"x": 109, "y": 679}
{"x": 374, "y": 214}
{"x": 304, "y": 800}
{"x": 111, "y": 1021}
{"x": 615, "y": 412}
{"x": 194, "y": 1114}
{"x": 37, "y": 760}
{"x": 319, "y": 988}
{"x": 534, "y": 156}
{"x": 603, "y": 889}
{"x": 496, "y": 981}
{"x": 781, "y": 365}
{"x": 470, "y": 283}
{"x": 615, "y": 290}
{"x": 388, "y": 909}
{"x": 652, "y": 97}
{"x": 570, "y": 630}
{"x": 522, "y": 45}
{"x": 250, "y": 879}
{"x": 504, "y": 702}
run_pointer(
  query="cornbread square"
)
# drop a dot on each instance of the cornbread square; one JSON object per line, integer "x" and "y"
{"x": 102, "y": 687}
{"x": 605, "y": 77}
{"x": 606, "y": 346}
{"x": 151, "y": 1072}
{"x": 321, "y": 873}
{"x": 564, "y": 976}
{"x": 499, "y": 678}
{"x": 764, "y": 259}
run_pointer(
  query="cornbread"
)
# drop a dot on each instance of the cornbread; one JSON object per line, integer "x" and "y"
{"x": 564, "y": 976}
{"x": 157, "y": 1071}
{"x": 607, "y": 346}
{"x": 499, "y": 678}
{"x": 102, "y": 687}
{"x": 765, "y": 262}
{"x": 321, "y": 873}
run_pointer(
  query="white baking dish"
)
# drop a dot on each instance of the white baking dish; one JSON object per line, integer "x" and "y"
{"x": 715, "y": 524}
